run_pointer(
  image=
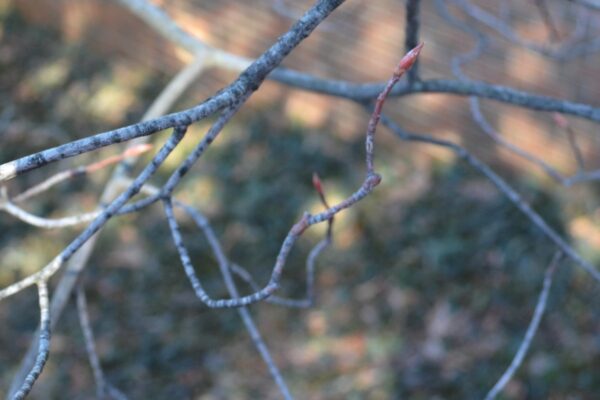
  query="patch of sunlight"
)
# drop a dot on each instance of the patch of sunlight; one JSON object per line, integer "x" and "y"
{"x": 443, "y": 155}
{"x": 349, "y": 122}
{"x": 48, "y": 76}
{"x": 194, "y": 134}
{"x": 5, "y": 6}
{"x": 380, "y": 346}
{"x": 111, "y": 102}
{"x": 130, "y": 76}
{"x": 183, "y": 55}
{"x": 27, "y": 256}
{"x": 586, "y": 232}
{"x": 308, "y": 109}
{"x": 197, "y": 27}
{"x": 317, "y": 323}
{"x": 367, "y": 378}
{"x": 525, "y": 131}
{"x": 202, "y": 193}
{"x": 528, "y": 66}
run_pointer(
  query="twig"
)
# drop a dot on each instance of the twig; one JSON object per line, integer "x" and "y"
{"x": 43, "y": 344}
{"x": 474, "y": 102}
{"x": 246, "y": 83}
{"x": 248, "y": 80}
{"x": 511, "y": 194}
{"x": 244, "y": 313}
{"x": 372, "y": 179}
{"x": 591, "y": 4}
{"x": 564, "y": 124}
{"x": 49, "y": 270}
{"x": 411, "y": 35}
{"x": 566, "y": 50}
{"x": 46, "y": 223}
{"x": 547, "y": 18}
{"x": 90, "y": 344}
{"x": 48, "y": 183}
{"x": 76, "y": 265}
{"x": 405, "y": 64}
{"x": 531, "y": 330}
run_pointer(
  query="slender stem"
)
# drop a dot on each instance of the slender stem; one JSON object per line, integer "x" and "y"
{"x": 411, "y": 35}
{"x": 43, "y": 344}
{"x": 531, "y": 330}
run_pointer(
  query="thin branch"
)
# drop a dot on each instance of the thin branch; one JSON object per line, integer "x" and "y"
{"x": 248, "y": 81}
{"x": 405, "y": 64}
{"x": 90, "y": 344}
{"x": 43, "y": 344}
{"x": 244, "y": 313}
{"x": 591, "y": 4}
{"x": 547, "y": 18}
{"x": 193, "y": 278}
{"x": 372, "y": 179}
{"x": 564, "y": 124}
{"x": 565, "y": 50}
{"x": 62, "y": 176}
{"x": 474, "y": 102}
{"x": 531, "y": 330}
{"x": 240, "y": 271}
{"x": 258, "y": 70}
{"x": 46, "y": 223}
{"x": 511, "y": 194}
{"x": 76, "y": 265}
{"x": 411, "y": 35}
{"x": 45, "y": 273}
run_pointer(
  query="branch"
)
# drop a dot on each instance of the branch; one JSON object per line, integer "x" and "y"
{"x": 591, "y": 4}
{"x": 371, "y": 180}
{"x": 411, "y": 35}
{"x": 90, "y": 345}
{"x": 565, "y": 50}
{"x": 244, "y": 313}
{"x": 49, "y": 270}
{"x": 43, "y": 344}
{"x": 511, "y": 194}
{"x": 245, "y": 84}
{"x": 76, "y": 265}
{"x": 531, "y": 330}
{"x": 46, "y": 223}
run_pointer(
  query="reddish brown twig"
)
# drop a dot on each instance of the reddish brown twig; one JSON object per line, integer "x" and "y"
{"x": 405, "y": 63}
{"x": 78, "y": 171}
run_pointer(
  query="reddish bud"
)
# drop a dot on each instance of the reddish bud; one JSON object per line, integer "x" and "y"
{"x": 408, "y": 60}
{"x": 317, "y": 183}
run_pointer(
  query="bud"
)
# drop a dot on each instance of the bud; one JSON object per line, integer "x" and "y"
{"x": 317, "y": 183}
{"x": 408, "y": 60}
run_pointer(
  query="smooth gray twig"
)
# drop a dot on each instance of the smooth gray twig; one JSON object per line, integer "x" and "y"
{"x": 531, "y": 330}
{"x": 90, "y": 343}
{"x": 43, "y": 344}
{"x": 411, "y": 35}
{"x": 50, "y": 269}
{"x": 511, "y": 194}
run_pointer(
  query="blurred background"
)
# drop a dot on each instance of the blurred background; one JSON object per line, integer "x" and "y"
{"x": 430, "y": 282}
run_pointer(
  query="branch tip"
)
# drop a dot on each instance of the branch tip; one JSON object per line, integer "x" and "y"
{"x": 408, "y": 60}
{"x": 317, "y": 183}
